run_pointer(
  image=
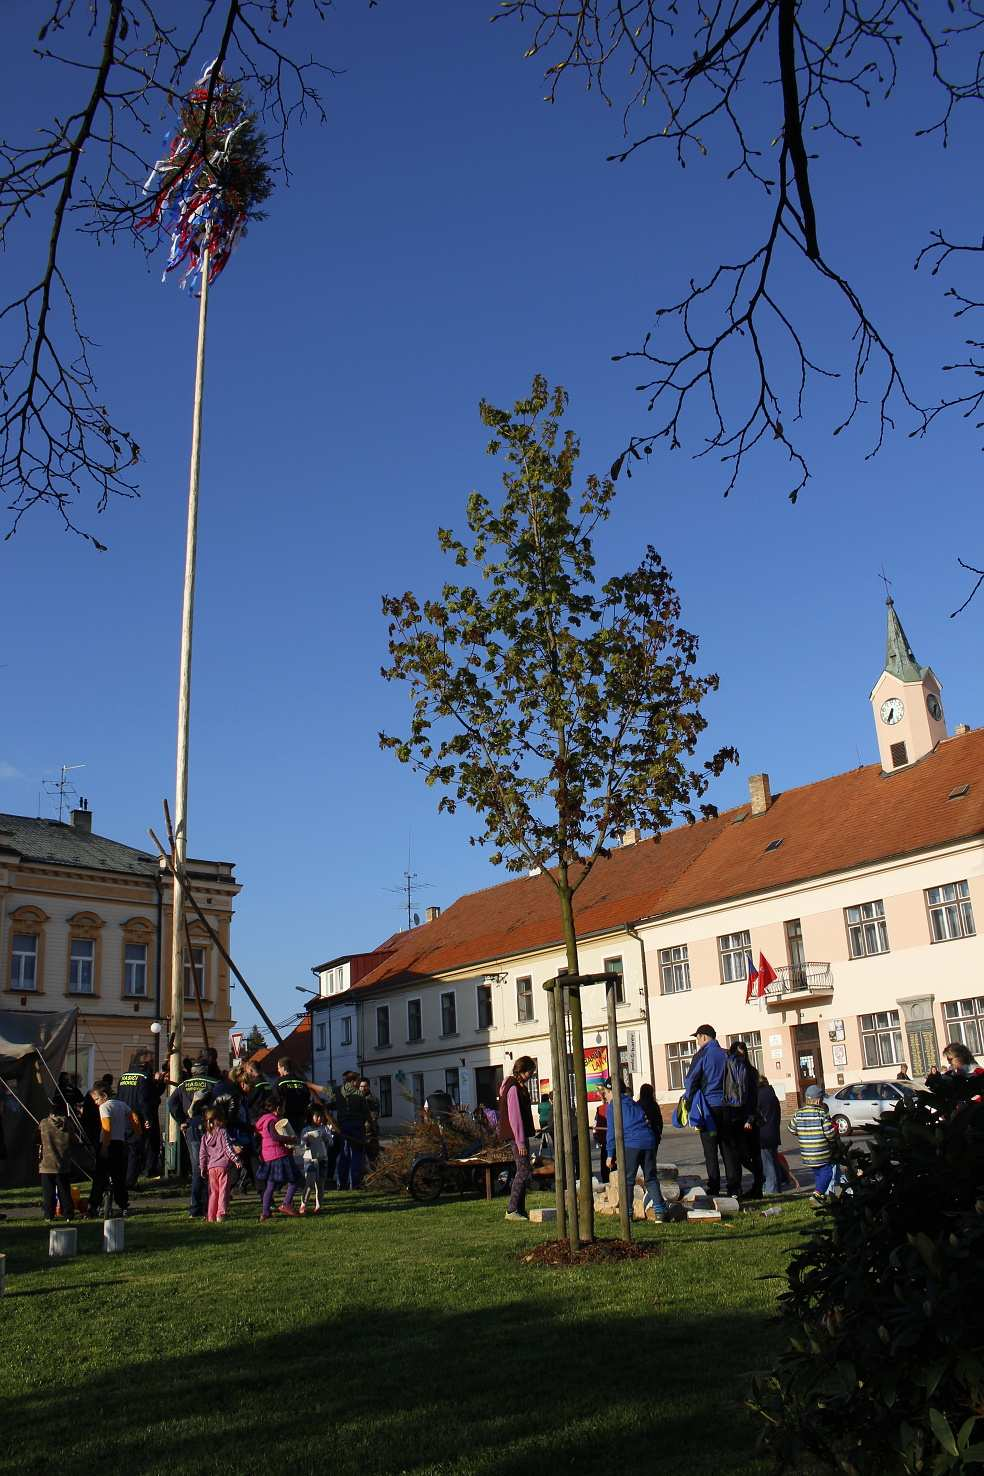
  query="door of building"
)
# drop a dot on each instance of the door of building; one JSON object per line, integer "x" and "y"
{"x": 809, "y": 1062}
{"x": 488, "y": 1079}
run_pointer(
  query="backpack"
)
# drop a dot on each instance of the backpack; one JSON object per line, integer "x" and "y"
{"x": 735, "y": 1082}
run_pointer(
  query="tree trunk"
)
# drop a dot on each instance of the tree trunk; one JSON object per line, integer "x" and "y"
{"x": 586, "y": 1194}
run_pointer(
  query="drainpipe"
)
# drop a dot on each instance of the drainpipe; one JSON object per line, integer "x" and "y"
{"x": 630, "y": 928}
{"x": 331, "y": 1053}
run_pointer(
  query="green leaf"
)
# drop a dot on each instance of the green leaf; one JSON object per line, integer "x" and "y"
{"x": 942, "y": 1431}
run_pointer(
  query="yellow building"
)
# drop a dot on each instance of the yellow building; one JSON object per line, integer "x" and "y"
{"x": 85, "y": 922}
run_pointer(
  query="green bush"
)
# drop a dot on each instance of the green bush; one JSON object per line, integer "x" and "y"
{"x": 884, "y": 1367}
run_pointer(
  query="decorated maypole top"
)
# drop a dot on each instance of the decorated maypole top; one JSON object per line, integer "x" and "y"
{"x": 213, "y": 180}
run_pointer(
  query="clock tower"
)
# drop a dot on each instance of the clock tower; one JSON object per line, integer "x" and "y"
{"x": 906, "y": 702}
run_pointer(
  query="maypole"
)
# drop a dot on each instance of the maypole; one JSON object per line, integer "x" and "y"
{"x": 205, "y": 191}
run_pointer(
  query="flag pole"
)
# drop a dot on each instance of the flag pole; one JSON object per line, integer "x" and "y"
{"x": 175, "y": 1072}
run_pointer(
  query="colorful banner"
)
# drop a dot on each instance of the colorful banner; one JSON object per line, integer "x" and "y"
{"x": 595, "y": 1069}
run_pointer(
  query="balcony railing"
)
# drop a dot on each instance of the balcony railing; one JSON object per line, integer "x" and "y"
{"x": 804, "y": 978}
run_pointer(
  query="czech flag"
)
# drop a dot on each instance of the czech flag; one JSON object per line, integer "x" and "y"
{"x": 752, "y": 991}
{"x": 767, "y": 974}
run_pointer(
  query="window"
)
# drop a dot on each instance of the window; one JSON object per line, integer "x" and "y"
{"x": 135, "y": 970}
{"x": 385, "y": 1095}
{"x": 198, "y": 976}
{"x": 674, "y": 970}
{"x": 950, "y": 912}
{"x": 483, "y": 994}
{"x": 449, "y": 1015}
{"x": 452, "y": 1080}
{"x": 866, "y": 929}
{"x": 733, "y": 949}
{"x": 346, "y": 1030}
{"x": 24, "y": 962}
{"x": 965, "y": 1021}
{"x": 322, "y": 1037}
{"x": 80, "y": 966}
{"x": 881, "y": 1039}
{"x": 753, "y": 1040}
{"x": 524, "y": 1000}
{"x": 382, "y": 1025}
{"x": 414, "y": 1025}
{"x": 679, "y": 1054}
{"x": 614, "y": 966}
{"x": 417, "y": 1087}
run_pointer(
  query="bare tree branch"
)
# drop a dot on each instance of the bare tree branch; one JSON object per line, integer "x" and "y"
{"x": 59, "y": 445}
{"x": 761, "y": 78}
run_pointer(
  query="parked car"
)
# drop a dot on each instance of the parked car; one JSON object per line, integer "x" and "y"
{"x": 858, "y": 1106}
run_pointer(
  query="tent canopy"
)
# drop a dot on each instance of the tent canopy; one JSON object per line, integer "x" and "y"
{"x": 32, "y": 1053}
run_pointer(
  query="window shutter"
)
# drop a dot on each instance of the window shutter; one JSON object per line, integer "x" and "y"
{"x": 899, "y": 755}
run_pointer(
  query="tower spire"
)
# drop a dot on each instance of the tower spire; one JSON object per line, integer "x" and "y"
{"x": 899, "y": 660}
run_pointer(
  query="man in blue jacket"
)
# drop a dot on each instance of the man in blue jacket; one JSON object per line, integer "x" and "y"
{"x": 640, "y": 1149}
{"x": 706, "y": 1075}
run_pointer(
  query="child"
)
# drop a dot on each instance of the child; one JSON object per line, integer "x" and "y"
{"x": 216, "y": 1155}
{"x": 276, "y": 1164}
{"x": 56, "y": 1162}
{"x": 816, "y": 1133}
{"x": 312, "y": 1150}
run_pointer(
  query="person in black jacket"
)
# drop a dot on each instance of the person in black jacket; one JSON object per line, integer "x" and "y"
{"x": 295, "y": 1093}
{"x": 770, "y": 1121}
{"x": 741, "y": 1114}
{"x": 136, "y": 1089}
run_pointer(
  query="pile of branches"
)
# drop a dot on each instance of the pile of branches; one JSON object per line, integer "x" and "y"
{"x": 460, "y": 1131}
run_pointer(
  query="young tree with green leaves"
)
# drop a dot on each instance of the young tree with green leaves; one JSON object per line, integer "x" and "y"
{"x": 561, "y": 710}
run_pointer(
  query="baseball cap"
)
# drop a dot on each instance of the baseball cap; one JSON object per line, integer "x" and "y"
{"x": 705, "y": 1030}
{"x": 814, "y": 1094}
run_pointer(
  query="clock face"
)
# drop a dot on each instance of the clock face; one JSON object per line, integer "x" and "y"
{"x": 892, "y": 711}
{"x": 933, "y": 703}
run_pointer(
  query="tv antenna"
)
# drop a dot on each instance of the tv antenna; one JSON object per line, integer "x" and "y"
{"x": 410, "y": 885}
{"x": 63, "y": 788}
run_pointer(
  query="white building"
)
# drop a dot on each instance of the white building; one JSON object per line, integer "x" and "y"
{"x": 861, "y": 890}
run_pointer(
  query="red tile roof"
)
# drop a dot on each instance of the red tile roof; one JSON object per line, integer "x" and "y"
{"x": 296, "y": 1045}
{"x": 851, "y": 820}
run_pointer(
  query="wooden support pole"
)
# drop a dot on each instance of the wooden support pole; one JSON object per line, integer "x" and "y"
{"x": 556, "y": 1067}
{"x": 195, "y": 984}
{"x": 585, "y": 1207}
{"x": 625, "y": 1189}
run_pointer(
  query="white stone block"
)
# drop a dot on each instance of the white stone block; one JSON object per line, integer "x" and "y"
{"x": 63, "y": 1242}
{"x": 542, "y": 1216}
{"x": 113, "y": 1236}
{"x": 704, "y": 1214}
{"x": 671, "y": 1190}
{"x": 696, "y": 1195}
{"x": 667, "y": 1170}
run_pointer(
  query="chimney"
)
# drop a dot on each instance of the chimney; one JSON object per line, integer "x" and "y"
{"x": 632, "y": 837}
{"x": 82, "y": 817}
{"x": 431, "y": 914}
{"x": 961, "y": 730}
{"x": 759, "y": 793}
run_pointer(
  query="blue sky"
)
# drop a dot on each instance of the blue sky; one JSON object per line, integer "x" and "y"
{"x": 445, "y": 237}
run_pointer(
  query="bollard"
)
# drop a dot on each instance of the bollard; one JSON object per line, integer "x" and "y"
{"x": 63, "y": 1242}
{"x": 113, "y": 1236}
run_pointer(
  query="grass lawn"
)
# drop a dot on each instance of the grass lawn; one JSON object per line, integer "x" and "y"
{"x": 382, "y": 1337}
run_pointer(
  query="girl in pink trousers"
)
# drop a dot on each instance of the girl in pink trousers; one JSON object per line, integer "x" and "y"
{"x": 216, "y": 1155}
